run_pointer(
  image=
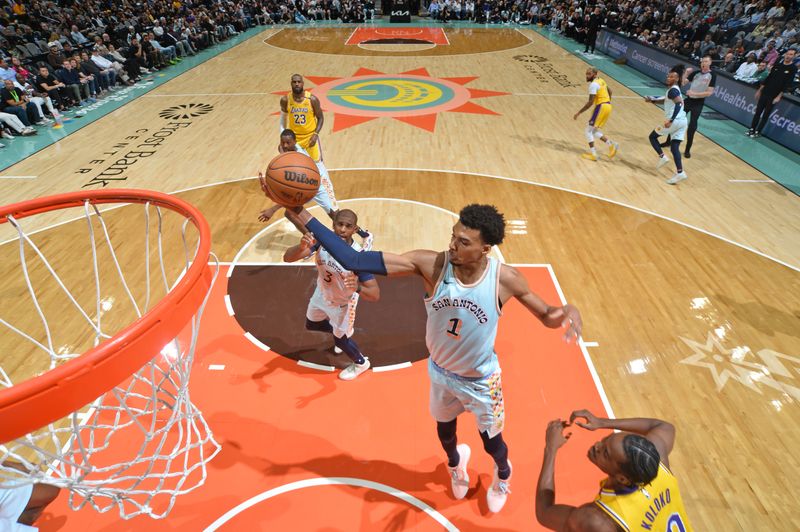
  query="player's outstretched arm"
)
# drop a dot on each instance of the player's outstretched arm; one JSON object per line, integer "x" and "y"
{"x": 300, "y": 251}
{"x": 563, "y": 517}
{"x": 284, "y": 111}
{"x": 317, "y": 108}
{"x": 552, "y": 317}
{"x": 660, "y": 432}
{"x": 368, "y": 289}
{"x": 419, "y": 262}
{"x": 585, "y": 107}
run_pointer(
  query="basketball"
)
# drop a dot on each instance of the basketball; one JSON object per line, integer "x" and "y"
{"x": 292, "y": 179}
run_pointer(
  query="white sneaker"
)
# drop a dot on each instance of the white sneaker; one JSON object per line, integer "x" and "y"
{"x": 7, "y": 135}
{"x": 677, "y": 178}
{"x": 354, "y": 370}
{"x": 662, "y": 161}
{"x": 459, "y": 479}
{"x": 498, "y": 491}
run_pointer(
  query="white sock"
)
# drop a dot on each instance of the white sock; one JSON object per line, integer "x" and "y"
{"x": 594, "y": 151}
{"x": 609, "y": 142}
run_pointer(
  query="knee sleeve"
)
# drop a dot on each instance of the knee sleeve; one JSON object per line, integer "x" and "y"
{"x": 589, "y": 133}
{"x": 496, "y": 448}
{"x": 654, "y": 142}
{"x": 675, "y": 148}
{"x": 321, "y": 326}
{"x": 349, "y": 348}
{"x": 446, "y": 431}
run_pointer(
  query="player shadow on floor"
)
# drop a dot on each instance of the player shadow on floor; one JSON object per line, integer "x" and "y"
{"x": 326, "y": 380}
{"x": 576, "y": 149}
{"x": 431, "y": 477}
{"x": 193, "y": 516}
{"x": 223, "y": 343}
{"x": 48, "y": 521}
{"x": 429, "y": 483}
{"x": 762, "y": 317}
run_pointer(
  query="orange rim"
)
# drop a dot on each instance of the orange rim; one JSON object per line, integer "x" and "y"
{"x": 36, "y": 402}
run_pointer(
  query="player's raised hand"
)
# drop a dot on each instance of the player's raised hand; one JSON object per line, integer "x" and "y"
{"x": 555, "y": 437}
{"x": 351, "y": 282}
{"x": 307, "y": 242}
{"x": 571, "y": 319}
{"x": 268, "y": 213}
{"x": 592, "y": 421}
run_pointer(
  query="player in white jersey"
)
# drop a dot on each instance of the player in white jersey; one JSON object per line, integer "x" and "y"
{"x": 325, "y": 197}
{"x": 466, "y": 289}
{"x": 332, "y": 308}
{"x": 21, "y": 506}
{"x": 674, "y": 126}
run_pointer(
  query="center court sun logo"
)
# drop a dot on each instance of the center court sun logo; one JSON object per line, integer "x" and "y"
{"x": 766, "y": 368}
{"x": 185, "y": 111}
{"x": 413, "y": 97}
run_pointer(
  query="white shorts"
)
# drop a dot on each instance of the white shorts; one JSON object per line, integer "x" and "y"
{"x": 341, "y": 317}
{"x": 325, "y": 197}
{"x": 452, "y": 395}
{"x": 12, "y": 503}
{"x": 677, "y": 130}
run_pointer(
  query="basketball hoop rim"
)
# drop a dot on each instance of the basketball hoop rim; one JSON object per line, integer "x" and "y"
{"x": 36, "y": 402}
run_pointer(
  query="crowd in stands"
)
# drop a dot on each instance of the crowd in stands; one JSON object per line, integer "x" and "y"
{"x": 743, "y": 38}
{"x": 62, "y": 54}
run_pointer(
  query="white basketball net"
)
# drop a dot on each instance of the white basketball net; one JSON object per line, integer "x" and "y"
{"x": 143, "y": 443}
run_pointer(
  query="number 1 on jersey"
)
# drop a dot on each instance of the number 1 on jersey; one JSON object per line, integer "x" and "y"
{"x": 455, "y": 328}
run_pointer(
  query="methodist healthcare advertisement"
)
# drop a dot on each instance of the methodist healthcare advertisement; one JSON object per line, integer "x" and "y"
{"x": 732, "y": 98}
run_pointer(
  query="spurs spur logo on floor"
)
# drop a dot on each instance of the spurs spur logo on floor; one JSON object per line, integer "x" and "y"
{"x": 111, "y": 165}
{"x": 542, "y": 68}
{"x": 754, "y": 370}
{"x": 187, "y": 110}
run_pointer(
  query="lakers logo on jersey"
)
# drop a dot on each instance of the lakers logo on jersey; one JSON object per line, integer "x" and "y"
{"x": 301, "y": 116}
{"x": 601, "y": 96}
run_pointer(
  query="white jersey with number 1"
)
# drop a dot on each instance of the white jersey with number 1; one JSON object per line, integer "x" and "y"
{"x": 462, "y": 322}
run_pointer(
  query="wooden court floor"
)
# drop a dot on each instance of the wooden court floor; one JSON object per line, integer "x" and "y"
{"x": 690, "y": 294}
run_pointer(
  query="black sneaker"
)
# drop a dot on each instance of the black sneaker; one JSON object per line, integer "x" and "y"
{"x": 749, "y": 132}
{"x": 688, "y": 155}
{"x": 755, "y": 135}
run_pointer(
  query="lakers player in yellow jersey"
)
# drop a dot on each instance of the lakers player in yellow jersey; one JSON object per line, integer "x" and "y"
{"x": 302, "y": 113}
{"x": 640, "y": 492}
{"x": 600, "y": 97}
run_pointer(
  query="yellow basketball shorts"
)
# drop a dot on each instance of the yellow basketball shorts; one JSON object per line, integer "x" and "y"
{"x": 314, "y": 151}
{"x": 600, "y": 115}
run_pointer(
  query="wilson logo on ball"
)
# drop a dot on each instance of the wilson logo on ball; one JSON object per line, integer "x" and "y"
{"x": 297, "y": 177}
